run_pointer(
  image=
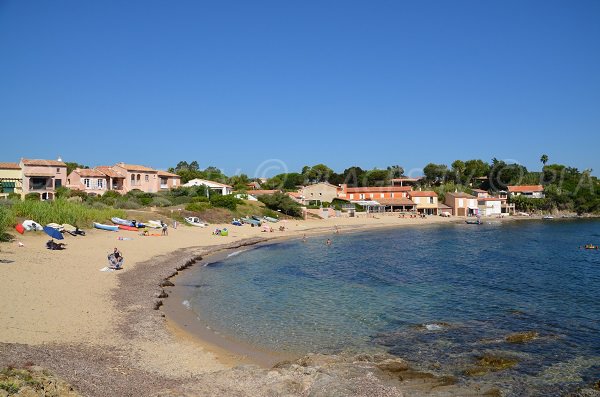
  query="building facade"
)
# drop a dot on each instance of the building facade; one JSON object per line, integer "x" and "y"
{"x": 426, "y": 201}
{"x": 11, "y": 179}
{"x": 322, "y": 192}
{"x": 43, "y": 177}
{"x": 462, "y": 204}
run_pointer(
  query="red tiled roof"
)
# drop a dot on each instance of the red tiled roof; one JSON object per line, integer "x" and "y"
{"x": 377, "y": 189}
{"x": 86, "y": 172}
{"x": 407, "y": 179}
{"x": 396, "y": 201}
{"x": 10, "y": 166}
{"x": 425, "y": 193}
{"x": 526, "y": 188}
{"x": 294, "y": 194}
{"x": 460, "y": 195}
{"x": 136, "y": 167}
{"x": 47, "y": 163}
{"x": 170, "y": 174}
{"x": 108, "y": 171}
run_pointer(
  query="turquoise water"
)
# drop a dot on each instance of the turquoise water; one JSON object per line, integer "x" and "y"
{"x": 438, "y": 296}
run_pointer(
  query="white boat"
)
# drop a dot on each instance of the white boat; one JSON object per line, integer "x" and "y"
{"x": 30, "y": 225}
{"x": 154, "y": 224}
{"x": 548, "y": 217}
{"x": 195, "y": 221}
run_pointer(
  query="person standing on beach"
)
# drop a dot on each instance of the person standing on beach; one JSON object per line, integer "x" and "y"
{"x": 165, "y": 231}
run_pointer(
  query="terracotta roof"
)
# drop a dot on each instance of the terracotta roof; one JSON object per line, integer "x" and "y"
{"x": 165, "y": 173}
{"x": 460, "y": 195}
{"x": 211, "y": 182}
{"x": 443, "y": 206}
{"x": 261, "y": 192}
{"x": 377, "y": 189}
{"x": 425, "y": 193}
{"x": 108, "y": 171}
{"x": 86, "y": 172}
{"x": 294, "y": 194}
{"x": 479, "y": 190}
{"x": 47, "y": 163}
{"x": 407, "y": 179}
{"x": 526, "y": 188}
{"x": 396, "y": 201}
{"x": 135, "y": 167}
{"x": 10, "y": 166}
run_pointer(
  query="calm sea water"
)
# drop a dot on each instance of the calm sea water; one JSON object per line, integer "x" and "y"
{"x": 438, "y": 296}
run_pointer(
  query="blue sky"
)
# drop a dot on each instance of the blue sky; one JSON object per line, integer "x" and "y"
{"x": 261, "y": 86}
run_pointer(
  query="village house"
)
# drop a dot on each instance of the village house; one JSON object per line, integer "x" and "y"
{"x": 116, "y": 179}
{"x": 138, "y": 177}
{"x": 213, "y": 186}
{"x": 322, "y": 192}
{"x": 462, "y": 204}
{"x": 373, "y": 192}
{"x": 398, "y": 204}
{"x": 11, "y": 179}
{"x": 168, "y": 180}
{"x": 426, "y": 201}
{"x": 43, "y": 177}
{"x": 489, "y": 206}
{"x": 530, "y": 191}
{"x": 91, "y": 181}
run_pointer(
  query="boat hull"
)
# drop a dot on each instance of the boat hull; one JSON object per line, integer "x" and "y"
{"x": 130, "y": 228}
{"x": 110, "y": 228}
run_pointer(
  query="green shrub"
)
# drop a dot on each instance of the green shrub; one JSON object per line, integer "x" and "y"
{"x": 127, "y": 204}
{"x": 32, "y": 197}
{"x": 181, "y": 200}
{"x": 14, "y": 196}
{"x": 281, "y": 202}
{"x": 229, "y": 201}
{"x": 161, "y": 202}
{"x": 78, "y": 193}
{"x": 197, "y": 207}
{"x": 63, "y": 192}
{"x": 200, "y": 199}
{"x": 111, "y": 194}
{"x": 145, "y": 201}
{"x": 62, "y": 211}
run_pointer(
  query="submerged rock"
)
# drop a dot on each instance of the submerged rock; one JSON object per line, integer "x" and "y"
{"x": 522, "y": 337}
{"x": 490, "y": 363}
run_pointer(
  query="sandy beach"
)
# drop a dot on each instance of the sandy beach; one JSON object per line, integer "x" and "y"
{"x": 101, "y": 331}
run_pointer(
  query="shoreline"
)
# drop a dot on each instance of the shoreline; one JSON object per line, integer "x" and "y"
{"x": 125, "y": 331}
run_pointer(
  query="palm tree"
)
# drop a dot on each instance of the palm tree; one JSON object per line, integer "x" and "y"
{"x": 544, "y": 159}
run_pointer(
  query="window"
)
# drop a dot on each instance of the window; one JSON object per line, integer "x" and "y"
{"x": 57, "y": 183}
{"x": 461, "y": 203}
{"x": 382, "y": 195}
{"x": 86, "y": 183}
{"x": 100, "y": 183}
{"x": 174, "y": 182}
{"x": 320, "y": 194}
{"x": 351, "y": 196}
{"x": 58, "y": 170}
{"x": 132, "y": 180}
{"x": 362, "y": 196}
{"x": 147, "y": 177}
{"x": 430, "y": 200}
{"x": 392, "y": 195}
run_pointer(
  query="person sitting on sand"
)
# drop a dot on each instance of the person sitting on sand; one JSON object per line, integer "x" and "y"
{"x": 115, "y": 260}
{"x": 52, "y": 245}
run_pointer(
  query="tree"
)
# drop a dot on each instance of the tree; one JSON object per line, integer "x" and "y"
{"x": 395, "y": 171}
{"x": 318, "y": 173}
{"x": 435, "y": 173}
{"x": 458, "y": 169}
{"x": 544, "y": 159}
{"x": 475, "y": 169}
{"x": 354, "y": 177}
{"x": 182, "y": 166}
{"x": 377, "y": 177}
{"x": 71, "y": 166}
{"x": 194, "y": 166}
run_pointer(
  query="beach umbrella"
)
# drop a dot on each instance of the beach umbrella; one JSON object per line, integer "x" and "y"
{"x": 52, "y": 232}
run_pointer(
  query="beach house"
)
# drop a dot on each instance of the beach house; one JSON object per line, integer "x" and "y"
{"x": 168, "y": 180}
{"x": 11, "y": 179}
{"x": 43, "y": 177}
{"x": 91, "y": 181}
{"x": 318, "y": 193}
{"x": 426, "y": 201}
{"x": 372, "y": 192}
{"x": 213, "y": 186}
{"x": 116, "y": 179}
{"x": 462, "y": 204}
{"x": 138, "y": 177}
{"x": 530, "y": 191}
{"x": 489, "y": 206}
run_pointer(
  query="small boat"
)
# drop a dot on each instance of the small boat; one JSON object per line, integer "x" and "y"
{"x": 56, "y": 226}
{"x": 130, "y": 228}
{"x": 236, "y": 222}
{"x": 195, "y": 221}
{"x": 30, "y": 225}
{"x": 102, "y": 226}
{"x": 124, "y": 222}
{"x": 272, "y": 220}
{"x": 591, "y": 247}
{"x": 548, "y": 217}
{"x": 154, "y": 224}
{"x": 473, "y": 221}
{"x": 256, "y": 218}
{"x": 251, "y": 221}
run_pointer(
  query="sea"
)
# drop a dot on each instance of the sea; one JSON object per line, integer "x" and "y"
{"x": 511, "y": 304}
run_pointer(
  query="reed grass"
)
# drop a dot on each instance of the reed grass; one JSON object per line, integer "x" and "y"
{"x": 63, "y": 211}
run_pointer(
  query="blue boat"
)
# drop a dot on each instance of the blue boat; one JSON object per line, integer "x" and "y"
{"x": 124, "y": 222}
{"x": 101, "y": 226}
{"x": 251, "y": 221}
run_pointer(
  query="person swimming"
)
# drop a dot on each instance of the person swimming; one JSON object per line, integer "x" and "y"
{"x": 328, "y": 242}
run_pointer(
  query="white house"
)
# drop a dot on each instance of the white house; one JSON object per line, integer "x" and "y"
{"x": 531, "y": 191}
{"x": 489, "y": 206}
{"x": 215, "y": 186}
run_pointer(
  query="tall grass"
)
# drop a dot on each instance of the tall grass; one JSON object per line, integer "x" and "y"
{"x": 7, "y": 220}
{"x": 63, "y": 211}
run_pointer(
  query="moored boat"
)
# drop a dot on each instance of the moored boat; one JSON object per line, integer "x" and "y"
{"x": 251, "y": 221}
{"x": 30, "y": 225}
{"x": 101, "y": 226}
{"x": 120, "y": 221}
{"x": 272, "y": 220}
{"x": 195, "y": 221}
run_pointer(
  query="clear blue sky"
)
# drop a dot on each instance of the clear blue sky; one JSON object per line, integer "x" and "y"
{"x": 236, "y": 83}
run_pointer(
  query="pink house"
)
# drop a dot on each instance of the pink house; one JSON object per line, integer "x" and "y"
{"x": 138, "y": 177}
{"x": 116, "y": 180}
{"x": 90, "y": 181}
{"x": 43, "y": 177}
{"x": 168, "y": 180}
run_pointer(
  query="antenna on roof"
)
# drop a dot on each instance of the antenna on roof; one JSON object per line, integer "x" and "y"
{"x": 59, "y": 158}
